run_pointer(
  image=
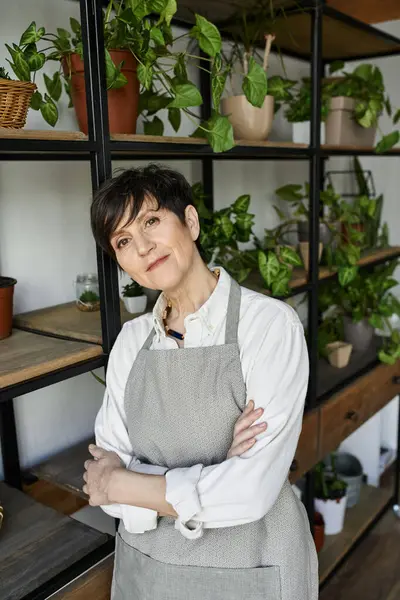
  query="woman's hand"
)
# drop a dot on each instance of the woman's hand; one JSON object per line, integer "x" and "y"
{"x": 243, "y": 433}
{"x": 98, "y": 474}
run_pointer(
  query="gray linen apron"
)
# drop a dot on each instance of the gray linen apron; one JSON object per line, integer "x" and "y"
{"x": 181, "y": 406}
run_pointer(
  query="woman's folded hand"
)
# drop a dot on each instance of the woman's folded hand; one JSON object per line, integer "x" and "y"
{"x": 244, "y": 432}
{"x": 98, "y": 474}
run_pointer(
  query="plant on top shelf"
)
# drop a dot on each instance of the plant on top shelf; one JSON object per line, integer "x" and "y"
{"x": 143, "y": 31}
{"x": 298, "y": 103}
{"x": 132, "y": 290}
{"x": 365, "y": 86}
{"x": 365, "y": 304}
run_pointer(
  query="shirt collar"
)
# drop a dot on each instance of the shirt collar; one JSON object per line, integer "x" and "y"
{"x": 212, "y": 311}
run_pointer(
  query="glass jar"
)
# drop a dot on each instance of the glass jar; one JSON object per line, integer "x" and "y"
{"x": 87, "y": 292}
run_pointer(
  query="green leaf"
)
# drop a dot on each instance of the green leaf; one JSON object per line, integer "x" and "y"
{"x": 244, "y": 221}
{"x": 53, "y": 86}
{"x": 387, "y": 142}
{"x": 226, "y": 226}
{"x": 174, "y": 117}
{"x": 290, "y": 256}
{"x": 75, "y": 25}
{"x": 180, "y": 69}
{"x": 291, "y": 192}
{"x": 386, "y": 358}
{"x": 168, "y": 12}
{"x": 363, "y": 71}
{"x": 49, "y": 111}
{"x": 218, "y": 81}
{"x": 346, "y": 275}
{"x": 255, "y": 84}
{"x": 280, "y": 213}
{"x": 157, "y": 6}
{"x": 36, "y": 61}
{"x": 111, "y": 70}
{"x": 98, "y": 378}
{"x": 63, "y": 33}
{"x": 336, "y": 65}
{"x": 127, "y": 17}
{"x": 207, "y": 35}
{"x": 219, "y": 133}
{"x": 36, "y": 101}
{"x": 120, "y": 81}
{"x": 157, "y": 36}
{"x": 280, "y": 285}
{"x": 376, "y": 321}
{"x": 396, "y": 117}
{"x": 186, "y": 94}
{"x": 140, "y": 9}
{"x": 12, "y": 51}
{"x": 154, "y": 127}
{"x": 145, "y": 75}
{"x": 29, "y": 36}
{"x": 241, "y": 205}
{"x": 268, "y": 266}
{"x": 22, "y": 67}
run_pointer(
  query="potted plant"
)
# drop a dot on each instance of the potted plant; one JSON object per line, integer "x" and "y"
{"x": 251, "y": 98}
{"x": 298, "y": 112}
{"x": 134, "y": 298}
{"x": 15, "y": 97}
{"x": 7, "y": 285}
{"x": 135, "y": 34}
{"x": 319, "y": 531}
{"x": 276, "y": 269}
{"x": 357, "y": 100}
{"x": 330, "y": 497}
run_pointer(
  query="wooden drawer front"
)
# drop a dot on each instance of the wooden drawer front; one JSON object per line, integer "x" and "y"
{"x": 94, "y": 584}
{"x": 349, "y": 409}
{"x": 307, "y": 448}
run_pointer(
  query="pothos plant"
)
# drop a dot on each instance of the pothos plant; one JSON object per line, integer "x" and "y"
{"x": 143, "y": 28}
{"x": 367, "y": 296}
{"x": 366, "y": 85}
{"x": 328, "y": 485}
{"x": 298, "y": 102}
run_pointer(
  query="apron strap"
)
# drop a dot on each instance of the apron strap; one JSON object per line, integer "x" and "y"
{"x": 233, "y": 313}
{"x": 149, "y": 339}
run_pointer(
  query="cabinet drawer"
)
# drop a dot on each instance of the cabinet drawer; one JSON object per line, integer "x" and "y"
{"x": 307, "y": 448}
{"x": 349, "y": 409}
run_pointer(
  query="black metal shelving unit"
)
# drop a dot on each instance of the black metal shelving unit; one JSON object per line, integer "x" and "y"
{"x": 100, "y": 149}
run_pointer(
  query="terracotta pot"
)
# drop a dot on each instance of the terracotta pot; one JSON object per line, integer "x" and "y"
{"x": 6, "y": 305}
{"x": 342, "y": 130}
{"x": 249, "y": 122}
{"x": 319, "y": 531}
{"x": 304, "y": 252}
{"x": 122, "y": 102}
{"x": 339, "y": 354}
{"x": 345, "y": 231}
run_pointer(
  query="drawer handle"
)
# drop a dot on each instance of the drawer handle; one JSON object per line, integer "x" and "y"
{"x": 396, "y": 379}
{"x": 351, "y": 415}
{"x": 294, "y": 466}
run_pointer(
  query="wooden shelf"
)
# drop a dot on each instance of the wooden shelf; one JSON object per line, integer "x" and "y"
{"x": 24, "y": 356}
{"x": 330, "y": 150}
{"x": 65, "y": 469}
{"x": 37, "y": 543}
{"x": 66, "y": 320}
{"x": 358, "y": 518}
{"x": 38, "y": 134}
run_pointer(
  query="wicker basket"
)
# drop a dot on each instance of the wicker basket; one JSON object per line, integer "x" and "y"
{"x": 15, "y": 97}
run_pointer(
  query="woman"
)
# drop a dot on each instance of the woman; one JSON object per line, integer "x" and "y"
{"x": 199, "y": 521}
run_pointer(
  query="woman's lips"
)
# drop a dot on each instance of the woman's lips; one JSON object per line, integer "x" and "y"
{"x": 159, "y": 262}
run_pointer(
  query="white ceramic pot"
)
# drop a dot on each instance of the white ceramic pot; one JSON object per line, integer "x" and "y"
{"x": 333, "y": 512}
{"x": 301, "y": 133}
{"x": 248, "y": 121}
{"x": 304, "y": 253}
{"x": 136, "y": 304}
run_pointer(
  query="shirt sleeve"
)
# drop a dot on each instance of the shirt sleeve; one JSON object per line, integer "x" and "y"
{"x": 243, "y": 489}
{"x": 111, "y": 434}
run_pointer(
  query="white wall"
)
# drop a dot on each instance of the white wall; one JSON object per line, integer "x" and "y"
{"x": 45, "y": 238}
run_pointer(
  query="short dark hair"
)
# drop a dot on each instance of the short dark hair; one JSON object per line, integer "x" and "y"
{"x": 128, "y": 190}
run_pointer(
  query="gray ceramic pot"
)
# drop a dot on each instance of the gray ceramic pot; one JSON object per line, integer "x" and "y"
{"x": 325, "y": 235}
{"x": 350, "y": 470}
{"x": 358, "y": 334}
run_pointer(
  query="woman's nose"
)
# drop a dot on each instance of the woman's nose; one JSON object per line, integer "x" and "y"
{"x": 144, "y": 245}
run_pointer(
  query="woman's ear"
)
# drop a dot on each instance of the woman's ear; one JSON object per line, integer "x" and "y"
{"x": 192, "y": 221}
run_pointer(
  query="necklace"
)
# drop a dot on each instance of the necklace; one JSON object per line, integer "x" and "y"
{"x": 167, "y": 310}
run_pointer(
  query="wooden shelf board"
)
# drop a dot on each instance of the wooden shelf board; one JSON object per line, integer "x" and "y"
{"x": 65, "y": 469}
{"x": 37, "y": 134}
{"x": 333, "y": 149}
{"x": 358, "y": 518}
{"x": 24, "y": 356}
{"x": 67, "y": 320}
{"x": 37, "y": 543}
{"x": 161, "y": 139}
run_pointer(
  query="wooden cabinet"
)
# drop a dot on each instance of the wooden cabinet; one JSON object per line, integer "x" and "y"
{"x": 95, "y": 583}
{"x": 349, "y": 409}
{"x": 307, "y": 448}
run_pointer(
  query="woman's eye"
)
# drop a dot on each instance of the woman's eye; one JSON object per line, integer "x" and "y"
{"x": 151, "y": 221}
{"x": 122, "y": 243}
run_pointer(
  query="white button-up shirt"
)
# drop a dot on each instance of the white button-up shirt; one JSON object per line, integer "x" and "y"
{"x": 274, "y": 361}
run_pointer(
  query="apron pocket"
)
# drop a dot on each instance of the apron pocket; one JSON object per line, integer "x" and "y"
{"x": 139, "y": 577}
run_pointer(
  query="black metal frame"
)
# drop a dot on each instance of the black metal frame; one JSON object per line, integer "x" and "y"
{"x": 100, "y": 150}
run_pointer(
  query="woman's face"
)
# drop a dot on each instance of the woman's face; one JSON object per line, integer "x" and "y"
{"x": 156, "y": 249}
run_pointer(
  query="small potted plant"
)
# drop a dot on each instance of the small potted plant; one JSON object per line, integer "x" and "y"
{"x": 330, "y": 497}
{"x": 15, "y": 97}
{"x": 6, "y": 305}
{"x": 357, "y": 100}
{"x": 319, "y": 531}
{"x": 134, "y": 298}
{"x": 298, "y": 112}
